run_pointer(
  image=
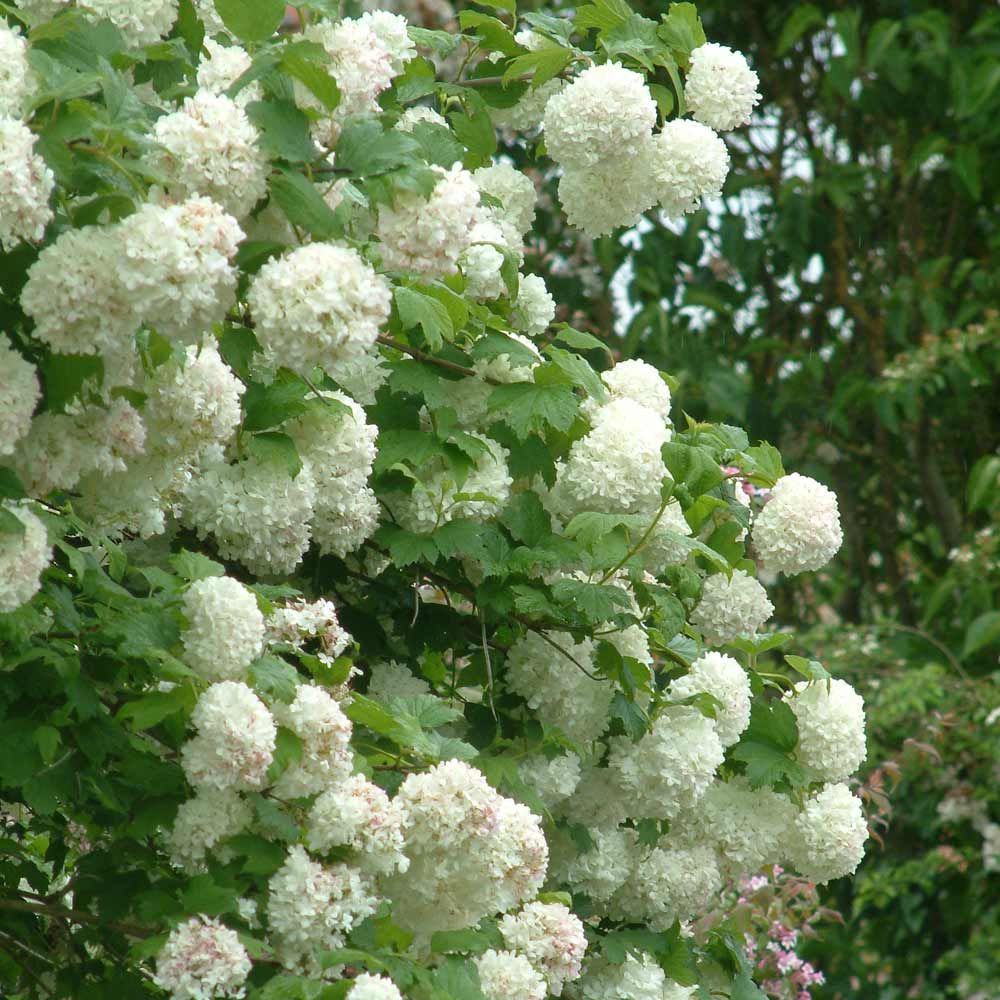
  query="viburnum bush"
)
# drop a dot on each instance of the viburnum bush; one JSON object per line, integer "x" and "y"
{"x": 365, "y": 632}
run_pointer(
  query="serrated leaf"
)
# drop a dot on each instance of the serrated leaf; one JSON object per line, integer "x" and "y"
{"x": 766, "y": 764}
{"x": 578, "y": 372}
{"x": 544, "y": 64}
{"x": 984, "y": 631}
{"x": 195, "y": 566}
{"x": 406, "y": 548}
{"x": 529, "y": 408}
{"x": 304, "y": 206}
{"x": 153, "y": 708}
{"x": 273, "y": 676}
{"x": 267, "y": 406}
{"x": 251, "y": 20}
{"x": 365, "y": 149}
{"x": 277, "y": 448}
{"x": 284, "y": 130}
{"x": 416, "y": 308}
{"x": 812, "y": 670}
{"x": 526, "y": 519}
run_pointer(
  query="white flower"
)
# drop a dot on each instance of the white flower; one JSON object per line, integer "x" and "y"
{"x": 830, "y": 835}
{"x": 203, "y": 822}
{"x": 662, "y": 548}
{"x": 257, "y": 514}
{"x": 799, "y": 527}
{"x": 209, "y": 147}
{"x": 606, "y": 113}
{"x": 302, "y": 623}
{"x": 357, "y": 814}
{"x": 368, "y": 987}
{"x": 617, "y": 467}
{"x": 202, "y": 960}
{"x": 235, "y": 742}
{"x": 602, "y": 870}
{"x": 388, "y": 680}
{"x": 23, "y": 558}
{"x": 551, "y": 937}
{"x": 634, "y": 979}
{"x": 720, "y": 89}
{"x": 317, "y": 305}
{"x": 139, "y": 23}
{"x": 689, "y": 163}
{"x": 390, "y": 30}
{"x": 831, "y": 720}
{"x": 482, "y": 266}
{"x": 556, "y": 689}
{"x": 426, "y": 236}
{"x": 225, "y": 630}
{"x": 671, "y": 767}
{"x": 17, "y": 80}
{"x": 551, "y": 780}
{"x": 19, "y": 393}
{"x": 516, "y": 194}
{"x": 311, "y": 908}
{"x": 472, "y": 852}
{"x": 437, "y": 497}
{"x": 610, "y": 195}
{"x": 670, "y": 883}
{"x": 223, "y": 67}
{"x": 25, "y": 185}
{"x": 534, "y": 308}
{"x": 731, "y": 608}
{"x": 642, "y": 383}
{"x": 417, "y": 114}
{"x": 319, "y": 722}
{"x": 599, "y": 800}
{"x": 505, "y": 975}
{"x": 526, "y": 115}
{"x": 722, "y": 677}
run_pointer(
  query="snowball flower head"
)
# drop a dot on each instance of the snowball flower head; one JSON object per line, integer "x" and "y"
{"x": 799, "y": 527}
{"x": 642, "y": 383}
{"x": 369, "y": 987}
{"x": 23, "y": 558}
{"x": 204, "y": 821}
{"x": 391, "y": 31}
{"x": 16, "y": 77}
{"x": 302, "y": 623}
{"x": 209, "y": 147}
{"x": 551, "y": 780}
{"x": 201, "y": 960}
{"x": 634, "y": 979}
{"x": 317, "y": 305}
{"x": 388, "y": 680}
{"x": 139, "y": 23}
{"x": 605, "y": 113}
{"x": 534, "y": 308}
{"x": 19, "y": 393}
{"x": 358, "y": 814}
{"x": 722, "y": 677}
{"x": 551, "y": 938}
{"x": 689, "y": 163}
{"x": 600, "y": 871}
{"x": 721, "y": 88}
{"x": 830, "y": 835}
{"x": 506, "y": 975}
{"x": 25, "y": 186}
{"x": 516, "y": 194}
{"x": 426, "y": 236}
{"x": 235, "y": 742}
{"x": 609, "y": 195}
{"x": 831, "y": 720}
{"x": 223, "y": 67}
{"x": 731, "y": 608}
{"x": 312, "y": 908}
{"x": 671, "y": 767}
{"x": 225, "y": 630}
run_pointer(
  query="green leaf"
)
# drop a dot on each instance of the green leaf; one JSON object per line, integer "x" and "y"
{"x": 469, "y": 940}
{"x": 11, "y": 487}
{"x": 406, "y": 548}
{"x": 364, "y": 149}
{"x": 544, "y": 64}
{"x": 195, "y": 566}
{"x": 416, "y": 308}
{"x": 801, "y": 20}
{"x": 273, "y": 446}
{"x": 694, "y": 466}
{"x": 10, "y": 523}
{"x": 267, "y": 406}
{"x": 984, "y": 631}
{"x": 602, "y": 14}
{"x": 202, "y": 895}
{"x": 237, "y": 345}
{"x": 63, "y": 376}
{"x": 577, "y": 371}
{"x": 273, "y": 676}
{"x": 306, "y": 61}
{"x": 577, "y": 339}
{"x": 251, "y": 20}
{"x": 529, "y": 408}
{"x": 744, "y": 988}
{"x": 153, "y": 708}
{"x": 304, "y": 206}
{"x": 526, "y": 519}
{"x": 284, "y": 130}
{"x": 812, "y": 670}
{"x": 766, "y": 764}
{"x": 983, "y": 489}
{"x": 495, "y": 34}
{"x": 596, "y": 602}
{"x": 633, "y": 718}
{"x": 682, "y": 29}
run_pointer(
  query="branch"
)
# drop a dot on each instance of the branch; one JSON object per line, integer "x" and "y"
{"x": 77, "y": 916}
{"x": 430, "y": 359}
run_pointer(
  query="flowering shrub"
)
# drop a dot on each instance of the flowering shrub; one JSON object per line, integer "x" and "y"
{"x": 364, "y": 631}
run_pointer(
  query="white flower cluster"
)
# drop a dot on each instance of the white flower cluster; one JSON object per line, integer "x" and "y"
{"x": 23, "y": 558}
{"x": 831, "y": 834}
{"x": 202, "y": 959}
{"x": 225, "y": 628}
{"x": 426, "y": 236}
{"x": 516, "y": 194}
{"x": 534, "y": 308}
{"x": 551, "y": 937}
{"x": 319, "y": 722}
{"x": 357, "y": 814}
{"x": 17, "y": 80}
{"x": 19, "y": 393}
{"x": 209, "y": 147}
{"x": 139, "y": 23}
{"x": 634, "y": 979}
{"x": 234, "y": 745}
{"x": 224, "y": 65}
{"x": 203, "y": 822}
{"x": 600, "y": 131}
{"x": 472, "y": 851}
{"x": 731, "y": 608}
{"x": 339, "y": 445}
{"x": 506, "y": 975}
{"x": 722, "y": 677}
{"x": 541, "y": 669}
{"x": 318, "y": 305}
{"x": 551, "y": 780}
{"x": 799, "y": 527}
{"x": 720, "y": 89}
{"x": 369, "y": 987}
{"x": 389, "y": 679}
{"x": 311, "y": 907}
{"x": 304, "y": 623}
{"x": 166, "y": 267}
{"x": 26, "y": 183}
{"x": 831, "y": 722}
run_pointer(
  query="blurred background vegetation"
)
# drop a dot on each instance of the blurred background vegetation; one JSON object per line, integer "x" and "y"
{"x": 842, "y": 303}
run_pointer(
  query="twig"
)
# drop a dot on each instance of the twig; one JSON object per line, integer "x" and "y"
{"x": 642, "y": 541}
{"x": 77, "y": 916}
{"x": 489, "y": 665}
{"x": 420, "y": 355}
{"x": 569, "y": 656}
